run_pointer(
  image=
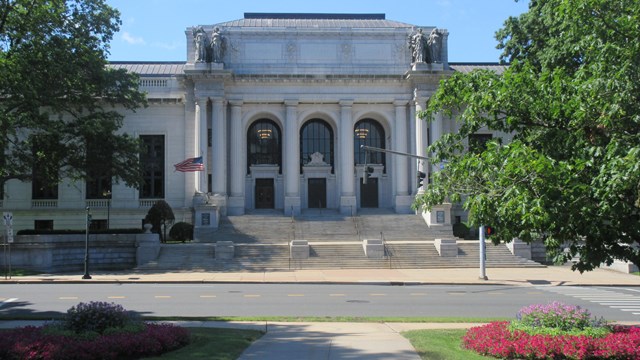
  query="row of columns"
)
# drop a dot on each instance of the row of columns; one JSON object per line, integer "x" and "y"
{"x": 291, "y": 156}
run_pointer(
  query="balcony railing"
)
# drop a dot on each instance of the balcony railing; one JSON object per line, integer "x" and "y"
{"x": 98, "y": 203}
{"x": 44, "y": 203}
{"x": 147, "y": 203}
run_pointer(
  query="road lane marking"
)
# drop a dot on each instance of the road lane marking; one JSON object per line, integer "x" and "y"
{"x": 162, "y": 297}
{"x": 116, "y": 297}
{"x": 337, "y": 295}
{"x": 252, "y": 296}
{"x": 68, "y": 298}
{"x": 377, "y": 294}
{"x": 207, "y": 296}
{"x": 295, "y": 295}
{"x": 418, "y": 294}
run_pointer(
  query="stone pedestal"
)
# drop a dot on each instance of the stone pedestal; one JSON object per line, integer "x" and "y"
{"x": 292, "y": 205}
{"x": 147, "y": 247}
{"x": 299, "y": 249}
{"x": 439, "y": 215}
{"x": 520, "y": 248}
{"x": 373, "y": 248}
{"x": 403, "y": 204}
{"x": 447, "y": 247}
{"x": 348, "y": 205}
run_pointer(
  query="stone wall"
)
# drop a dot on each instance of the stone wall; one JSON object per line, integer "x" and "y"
{"x": 66, "y": 253}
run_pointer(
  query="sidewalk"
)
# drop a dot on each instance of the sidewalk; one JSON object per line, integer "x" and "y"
{"x": 552, "y": 275}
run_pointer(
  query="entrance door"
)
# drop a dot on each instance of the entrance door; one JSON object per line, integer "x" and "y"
{"x": 369, "y": 193}
{"x": 317, "y": 189}
{"x": 264, "y": 194}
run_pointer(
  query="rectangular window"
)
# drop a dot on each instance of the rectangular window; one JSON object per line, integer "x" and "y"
{"x": 99, "y": 163}
{"x": 478, "y": 142}
{"x": 152, "y": 160}
{"x": 44, "y": 177}
{"x": 43, "y": 224}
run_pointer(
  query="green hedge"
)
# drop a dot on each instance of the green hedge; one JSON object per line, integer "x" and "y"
{"x": 73, "y": 232}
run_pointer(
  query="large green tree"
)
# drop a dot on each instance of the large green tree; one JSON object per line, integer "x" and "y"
{"x": 569, "y": 103}
{"x": 58, "y": 96}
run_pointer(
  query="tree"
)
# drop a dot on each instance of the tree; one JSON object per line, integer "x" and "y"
{"x": 160, "y": 216}
{"x": 58, "y": 96}
{"x": 570, "y": 100}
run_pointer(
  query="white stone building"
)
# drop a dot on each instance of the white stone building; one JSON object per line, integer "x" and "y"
{"x": 277, "y": 105}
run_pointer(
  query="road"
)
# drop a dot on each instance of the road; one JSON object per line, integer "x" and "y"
{"x": 612, "y": 303}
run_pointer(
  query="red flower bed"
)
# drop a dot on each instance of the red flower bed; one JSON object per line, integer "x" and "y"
{"x": 31, "y": 343}
{"x": 495, "y": 339}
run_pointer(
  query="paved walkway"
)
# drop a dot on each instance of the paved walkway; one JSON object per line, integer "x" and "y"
{"x": 342, "y": 340}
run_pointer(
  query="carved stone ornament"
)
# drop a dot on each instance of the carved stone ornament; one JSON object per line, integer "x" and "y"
{"x": 317, "y": 159}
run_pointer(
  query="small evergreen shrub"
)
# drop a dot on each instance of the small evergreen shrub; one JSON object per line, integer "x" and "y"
{"x": 181, "y": 231}
{"x": 96, "y": 316}
{"x": 460, "y": 230}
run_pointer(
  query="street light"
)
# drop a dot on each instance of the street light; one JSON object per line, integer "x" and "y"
{"x": 107, "y": 195}
{"x": 86, "y": 246}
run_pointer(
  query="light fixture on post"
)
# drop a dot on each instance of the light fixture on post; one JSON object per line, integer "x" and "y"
{"x": 86, "y": 246}
{"x": 264, "y": 134}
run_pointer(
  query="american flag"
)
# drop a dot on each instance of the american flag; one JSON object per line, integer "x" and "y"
{"x": 190, "y": 165}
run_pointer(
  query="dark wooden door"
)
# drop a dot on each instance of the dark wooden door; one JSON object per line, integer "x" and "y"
{"x": 369, "y": 193}
{"x": 264, "y": 194}
{"x": 317, "y": 189}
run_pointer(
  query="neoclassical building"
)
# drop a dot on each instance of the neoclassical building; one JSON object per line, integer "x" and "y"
{"x": 277, "y": 106}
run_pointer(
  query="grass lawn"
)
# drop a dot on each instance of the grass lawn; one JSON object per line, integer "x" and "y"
{"x": 211, "y": 343}
{"x": 440, "y": 344}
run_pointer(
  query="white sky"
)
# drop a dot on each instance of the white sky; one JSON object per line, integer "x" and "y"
{"x": 154, "y": 30}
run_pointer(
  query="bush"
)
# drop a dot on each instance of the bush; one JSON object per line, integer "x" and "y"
{"x": 460, "y": 230}
{"x": 556, "y": 315}
{"x": 181, "y": 231}
{"x": 160, "y": 216}
{"x": 96, "y": 316}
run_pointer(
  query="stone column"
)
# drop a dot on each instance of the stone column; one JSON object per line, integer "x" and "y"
{"x": 348, "y": 205}
{"x": 401, "y": 169}
{"x": 190, "y": 144}
{"x": 436, "y": 134}
{"x": 219, "y": 155}
{"x": 421, "y": 139}
{"x": 236, "y": 200}
{"x": 292, "y": 159}
{"x": 201, "y": 142}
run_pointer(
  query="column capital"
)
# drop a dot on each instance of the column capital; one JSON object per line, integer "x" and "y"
{"x": 400, "y": 103}
{"x": 236, "y": 102}
{"x": 293, "y": 102}
{"x": 200, "y": 99}
{"x": 217, "y": 100}
{"x": 346, "y": 102}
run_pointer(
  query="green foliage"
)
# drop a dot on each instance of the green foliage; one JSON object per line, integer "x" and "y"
{"x": 556, "y": 318}
{"x": 160, "y": 215}
{"x": 566, "y": 167}
{"x": 97, "y": 317}
{"x": 59, "y": 97}
{"x": 460, "y": 230}
{"x": 181, "y": 231}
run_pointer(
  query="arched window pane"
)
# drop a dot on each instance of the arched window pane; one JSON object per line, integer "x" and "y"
{"x": 316, "y": 136}
{"x": 263, "y": 144}
{"x": 369, "y": 132}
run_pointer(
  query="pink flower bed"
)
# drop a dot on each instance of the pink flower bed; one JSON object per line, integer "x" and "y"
{"x": 495, "y": 339}
{"x": 31, "y": 343}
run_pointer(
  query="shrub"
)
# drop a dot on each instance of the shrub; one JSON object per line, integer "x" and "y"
{"x": 181, "y": 231}
{"x": 556, "y": 315}
{"x": 460, "y": 230}
{"x": 96, "y": 316}
{"x": 160, "y": 215}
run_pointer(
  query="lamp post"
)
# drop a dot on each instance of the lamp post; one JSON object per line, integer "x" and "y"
{"x": 86, "y": 246}
{"x": 107, "y": 195}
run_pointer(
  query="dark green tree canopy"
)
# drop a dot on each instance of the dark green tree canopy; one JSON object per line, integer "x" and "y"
{"x": 569, "y": 103}
{"x": 55, "y": 84}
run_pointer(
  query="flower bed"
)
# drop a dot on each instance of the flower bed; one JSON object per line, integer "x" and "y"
{"x": 96, "y": 330}
{"x": 549, "y": 332}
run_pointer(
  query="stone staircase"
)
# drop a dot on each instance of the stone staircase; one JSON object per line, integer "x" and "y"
{"x": 261, "y": 243}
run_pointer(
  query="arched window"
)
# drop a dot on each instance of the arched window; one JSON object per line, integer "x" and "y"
{"x": 370, "y": 133}
{"x": 316, "y": 136}
{"x": 263, "y": 144}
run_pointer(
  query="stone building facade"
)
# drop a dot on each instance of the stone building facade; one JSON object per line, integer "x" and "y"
{"x": 277, "y": 106}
